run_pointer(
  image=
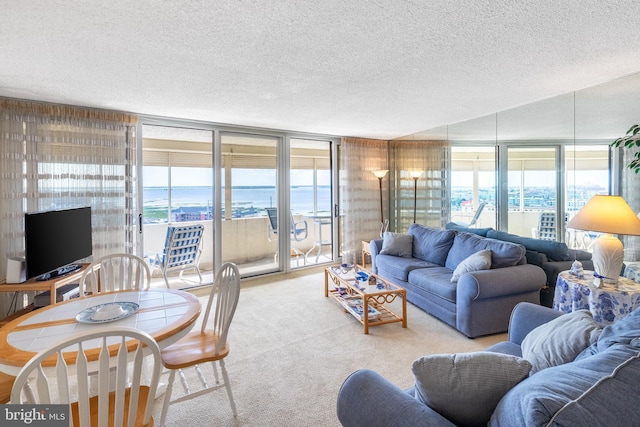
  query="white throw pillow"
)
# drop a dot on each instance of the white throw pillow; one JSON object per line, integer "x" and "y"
{"x": 481, "y": 260}
{"x": 397, "y": 244}
{"x": 560, "y": 340}
{"x": 466, "y": 387}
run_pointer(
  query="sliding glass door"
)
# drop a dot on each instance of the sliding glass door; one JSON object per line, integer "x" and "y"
{"x": 310, "y": 196}
{"x": 177, "y": 188}
{"x": 250, "y": 191}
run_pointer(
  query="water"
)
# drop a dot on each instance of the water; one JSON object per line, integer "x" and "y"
{"x": 246, "y": 201}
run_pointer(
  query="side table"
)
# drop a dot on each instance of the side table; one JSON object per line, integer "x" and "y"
{"x": 607, "y": 303}
{"x": 366, "y": 250}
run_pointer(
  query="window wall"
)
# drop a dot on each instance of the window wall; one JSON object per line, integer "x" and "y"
{"x": 227, "y": 180}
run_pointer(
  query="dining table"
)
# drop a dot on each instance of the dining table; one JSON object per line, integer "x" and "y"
{"x": 165, "y": 314}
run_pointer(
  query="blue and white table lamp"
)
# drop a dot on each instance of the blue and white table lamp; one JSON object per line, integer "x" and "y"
{"x": 610, "y": 215}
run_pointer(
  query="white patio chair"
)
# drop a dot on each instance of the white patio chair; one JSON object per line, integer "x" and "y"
{"x": 115, "y": 272}
{"x": 475, "y": 218}
{"x": 181, "y": 251}
{"x": 298, "y": 231}
{"x": 121, "y": 399}
{"x": 209, "y": 344}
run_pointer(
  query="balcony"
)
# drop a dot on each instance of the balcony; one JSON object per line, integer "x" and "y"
{"x": 251, "y": 255}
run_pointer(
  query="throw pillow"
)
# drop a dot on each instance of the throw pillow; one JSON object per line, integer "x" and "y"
{"x": 466, "y": 387}
{"x": 481, "y": 260}
{"x": 397, "y": 244}
{"x": 560, "y": 340}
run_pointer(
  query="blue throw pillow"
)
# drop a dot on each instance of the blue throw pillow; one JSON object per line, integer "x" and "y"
{"x": 555, "y": 251}
{"x": 466, "y": 387}
{"x": 397, "y": 244}
{"x": 503, "y": 254}
{"x": 431, "y": 244}
{"x": 479, "y": 231}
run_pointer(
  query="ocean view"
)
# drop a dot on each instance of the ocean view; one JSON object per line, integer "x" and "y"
{"x": 246, "y": 201}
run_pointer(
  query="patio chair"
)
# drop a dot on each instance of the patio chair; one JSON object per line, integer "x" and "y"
{"x": 122, "y": 397}
{"x": 115, "y": 272}
{"x": 181, "y": 251}
{"x": 475, "y": 217}
{"x": 547, "y": 228}
{"x": 208, "y": 344}
{"x": 298, "y": 232}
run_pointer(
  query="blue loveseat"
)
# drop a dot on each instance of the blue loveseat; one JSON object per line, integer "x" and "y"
{"x": 480, "y": 302}
{"x": 600, "y": 387}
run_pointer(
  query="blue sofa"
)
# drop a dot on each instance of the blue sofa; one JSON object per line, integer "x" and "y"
{"x": 480, "y": 302}
{"x": 600, "y": 387}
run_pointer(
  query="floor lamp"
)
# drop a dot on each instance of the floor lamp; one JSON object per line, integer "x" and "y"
{"x": 415, "y": 175}
{"x": 381, "y": 174}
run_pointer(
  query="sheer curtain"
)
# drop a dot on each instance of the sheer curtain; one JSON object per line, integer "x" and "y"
{"x": 360, "y": 193}
{"x": 429, "y": 162}
{"x": 59, "y": 157}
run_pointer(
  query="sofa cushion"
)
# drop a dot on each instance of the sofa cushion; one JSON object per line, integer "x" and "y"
{"x": 481, "y": 260}
{"x": 466, "y": 387}
{"x": 431, "y": 244}
{"x": 393, "y": 267}
{"x": 555, "y": 251}
{"x": 435, "y": 280}
{"x": 479, "y": 231}
{"x": 397, "y": 244}
{"x": 560, "y": 340}
{"x": 596, "y": 391}
{"x": 623, "y": 331}
{"x": 503, "y": 254}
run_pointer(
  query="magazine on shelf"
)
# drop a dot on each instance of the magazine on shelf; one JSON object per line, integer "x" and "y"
{"x": 354, "y": 304}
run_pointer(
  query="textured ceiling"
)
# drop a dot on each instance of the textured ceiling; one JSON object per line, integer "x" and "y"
{"x": 375, "y": 68}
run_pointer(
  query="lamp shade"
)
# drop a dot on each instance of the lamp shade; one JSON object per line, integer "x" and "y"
{"x": 606, "y": 214}
{"x": 380, "y": 173}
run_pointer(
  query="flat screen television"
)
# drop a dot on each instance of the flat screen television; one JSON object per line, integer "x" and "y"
{"x": 55, "y": 240}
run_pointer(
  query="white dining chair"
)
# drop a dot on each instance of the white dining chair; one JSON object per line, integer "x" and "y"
{"x": 115, "y": 272}
{"x": 122, "y": 399}
{"x": 209, "y": 344}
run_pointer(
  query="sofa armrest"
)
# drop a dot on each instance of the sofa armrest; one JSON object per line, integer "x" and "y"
{"x": 498, "y": 282}
{"x": 366, "y": 398}
{"x": 525, "y": 317}
{"x": 375, "y": 246}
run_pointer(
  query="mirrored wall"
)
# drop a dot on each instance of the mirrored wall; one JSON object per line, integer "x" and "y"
{"x": 547, "y": 157}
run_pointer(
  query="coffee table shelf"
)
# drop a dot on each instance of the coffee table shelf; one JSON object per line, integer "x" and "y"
{"x": 371, "y": 296}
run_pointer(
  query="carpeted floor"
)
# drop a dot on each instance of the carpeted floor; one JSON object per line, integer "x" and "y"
{"x": 291, "y": 349}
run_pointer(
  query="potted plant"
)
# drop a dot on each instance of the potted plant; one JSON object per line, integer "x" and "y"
{"x": 631, "y": 141}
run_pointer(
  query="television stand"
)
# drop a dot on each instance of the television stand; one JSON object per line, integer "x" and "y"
{"x": 47, "y": 285}
{"x": 62, "y": 271}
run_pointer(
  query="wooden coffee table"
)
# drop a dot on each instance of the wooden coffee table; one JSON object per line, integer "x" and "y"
{"x": 372, "y": 310}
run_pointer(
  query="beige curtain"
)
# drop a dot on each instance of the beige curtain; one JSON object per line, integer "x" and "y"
{"x": 360, "y": 194}
{"x": 59, "y": 157}
{"x": 429, "y": 162}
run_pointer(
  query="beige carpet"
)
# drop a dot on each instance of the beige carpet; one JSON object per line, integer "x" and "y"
{"x": 291, "y": 349}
